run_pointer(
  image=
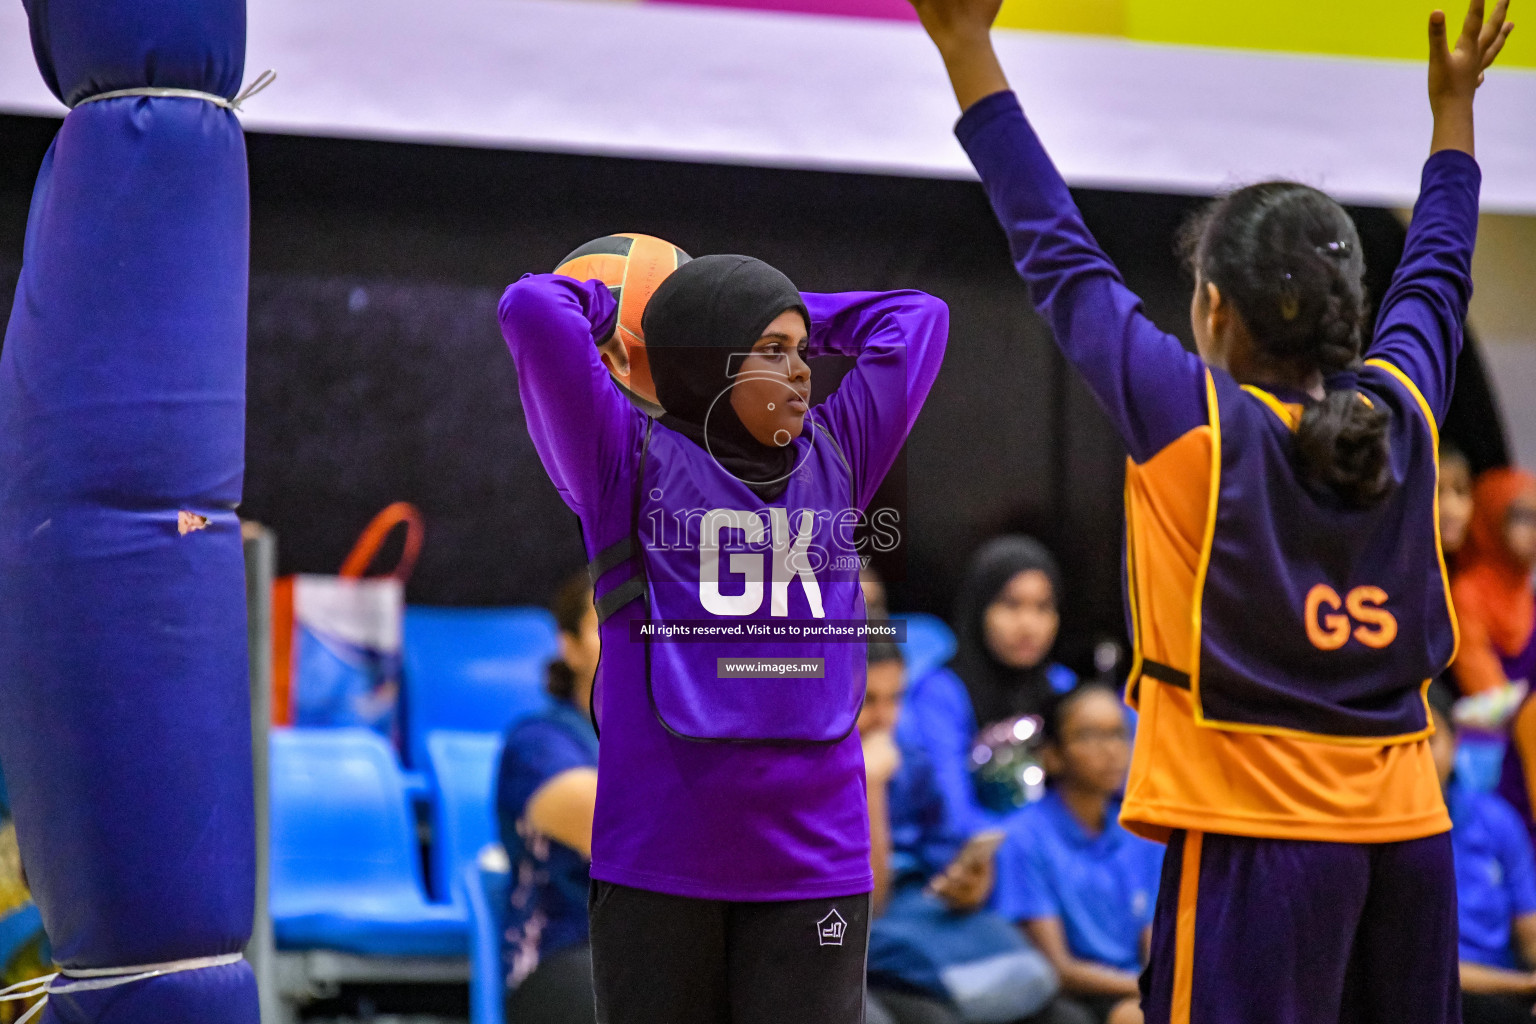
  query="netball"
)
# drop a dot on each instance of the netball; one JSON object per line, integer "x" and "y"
{"x": 631, "y": 266}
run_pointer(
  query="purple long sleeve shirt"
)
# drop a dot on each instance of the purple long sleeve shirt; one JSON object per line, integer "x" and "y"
{"x": 1152, "y": 388}
{"x": 737, "y": 821}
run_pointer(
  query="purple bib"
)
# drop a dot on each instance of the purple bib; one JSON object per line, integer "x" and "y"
{"x": 1316, "y": 619}
{"x": 712, "y": 556}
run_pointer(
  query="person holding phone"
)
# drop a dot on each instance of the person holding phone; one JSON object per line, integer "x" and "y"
{"x": 924, "y": 872}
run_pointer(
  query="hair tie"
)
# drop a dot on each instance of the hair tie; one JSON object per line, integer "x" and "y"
{"x": 1340, "y": 248}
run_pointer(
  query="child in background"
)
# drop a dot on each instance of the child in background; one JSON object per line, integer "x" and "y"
{"x": 1006, "y": 621}
{"x": 1455, "y": 498}
{"x": 1486, "y": 716}
{"x": 1497, "y": 611}
{"x": 1081, "y": 886}
{"x": 1495, "y": 889}
{"x": 918, "y": 859}
{"x": 909, "y": 840}
{"x": 546, "y": 789}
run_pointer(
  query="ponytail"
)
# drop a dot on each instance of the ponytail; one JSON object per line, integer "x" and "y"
{"x": 1288, "y": 259}
{"x": 1341, "y": 448}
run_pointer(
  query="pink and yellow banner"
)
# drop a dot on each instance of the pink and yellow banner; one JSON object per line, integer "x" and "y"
{"x": 1153, "y": 95}
{"x": 1368, "y": 28}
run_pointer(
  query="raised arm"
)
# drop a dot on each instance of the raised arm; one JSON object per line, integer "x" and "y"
{"x": 1420, "y": 323}
{"x": 1151, "y": 387}
{"x": 582, "y": 427}
{"x": 898, "y": 340}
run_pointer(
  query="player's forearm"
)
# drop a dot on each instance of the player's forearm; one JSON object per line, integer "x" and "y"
{"x": 1090, "y": 978}
{"x": 1496, "y": 981}
{"x": 1453, "y": 126}
{"x": 972, "y": 63}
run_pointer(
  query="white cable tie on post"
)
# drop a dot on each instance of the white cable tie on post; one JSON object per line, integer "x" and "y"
{"x": 263, "y": 80}
{"x": 87, "y": 979}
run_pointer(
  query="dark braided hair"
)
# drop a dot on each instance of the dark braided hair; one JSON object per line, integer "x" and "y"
{"x": 1288, "y": 259}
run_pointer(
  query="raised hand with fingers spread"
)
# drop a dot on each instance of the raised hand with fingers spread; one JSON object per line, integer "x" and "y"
{"x": 961, "y": 29}
{"x": 1455, "y": 72}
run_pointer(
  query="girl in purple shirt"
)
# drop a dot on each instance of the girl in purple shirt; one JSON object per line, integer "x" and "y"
{"x": 730, "y": 851}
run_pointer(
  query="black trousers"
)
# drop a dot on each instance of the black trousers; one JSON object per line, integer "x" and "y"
{"x": 659, "y": 959}
{"x": 1480, "y": 1009}
{"x": 559, "y": 991}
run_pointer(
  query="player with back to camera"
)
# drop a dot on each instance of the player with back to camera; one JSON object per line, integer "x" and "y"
{"x": 1288, "y": 598}
{"x": 730, "y": 846}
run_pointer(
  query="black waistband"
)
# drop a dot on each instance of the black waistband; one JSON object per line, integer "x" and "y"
{"x": 1164, "y": 673}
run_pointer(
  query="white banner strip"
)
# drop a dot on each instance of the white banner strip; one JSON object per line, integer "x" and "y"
{"x": 693, "y": 83}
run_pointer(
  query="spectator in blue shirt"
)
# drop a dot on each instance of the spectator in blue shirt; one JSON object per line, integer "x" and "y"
{"x": 1081, "y": 886}
{"x": 1495, "y": 888}
{"x": 915, "y": 855}
{"x": 1006, "y": 621}
{"x": 546, "y": 790}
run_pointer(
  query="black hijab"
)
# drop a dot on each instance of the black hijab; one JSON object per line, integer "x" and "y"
{"x": 997, "y": 691}
{"x": 706, "y": 311}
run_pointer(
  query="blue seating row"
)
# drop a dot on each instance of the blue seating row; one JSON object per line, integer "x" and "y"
{"x": 347, "y": 871}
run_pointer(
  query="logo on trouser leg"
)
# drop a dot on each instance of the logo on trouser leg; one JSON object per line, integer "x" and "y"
{"x": 831, "y": 929}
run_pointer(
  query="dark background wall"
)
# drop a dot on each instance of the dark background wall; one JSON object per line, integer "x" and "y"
{"x": 377, "y": 371}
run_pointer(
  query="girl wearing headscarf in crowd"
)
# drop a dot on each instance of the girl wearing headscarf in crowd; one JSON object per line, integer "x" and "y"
{"x": 1492, "y": 587}
{"x": 1006, "y": 621}
{"x": 730, "y": 848}
{"x": 1497, "y": 610}
{"x": 1285, "y": 582}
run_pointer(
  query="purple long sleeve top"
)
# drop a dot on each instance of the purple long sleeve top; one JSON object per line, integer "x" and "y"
{"x": 1152, "y": 388}
{"x": 737, "y": 821}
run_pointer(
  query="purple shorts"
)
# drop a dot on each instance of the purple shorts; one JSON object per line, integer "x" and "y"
{"x": 1281, "y": 931}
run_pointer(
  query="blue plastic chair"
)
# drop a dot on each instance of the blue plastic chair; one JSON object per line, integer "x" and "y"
{"x": 346, "y": 873}
{"x": 930, "y": 643}
{"x": 463, "y": 780}
{"x": 487, "y": 882}
{"x": 473, "y": 669}
{"x": 17, "y": 929}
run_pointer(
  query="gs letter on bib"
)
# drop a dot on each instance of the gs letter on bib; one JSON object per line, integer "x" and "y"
{"x": 1363, "y": 618}
{"x": 1316, "y": 619}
